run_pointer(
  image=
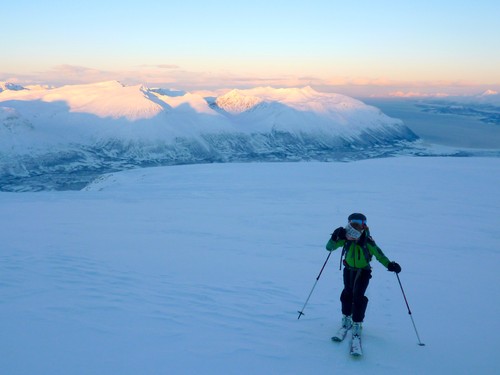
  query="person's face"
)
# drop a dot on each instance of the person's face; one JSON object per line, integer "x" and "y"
{"x": 358, "y": 225}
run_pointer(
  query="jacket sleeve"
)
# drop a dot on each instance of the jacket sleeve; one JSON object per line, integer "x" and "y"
{"x": 333, "y": 245}
{"x": 378, "y": 253}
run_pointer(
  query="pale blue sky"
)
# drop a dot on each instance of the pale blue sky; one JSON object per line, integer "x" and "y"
{"x": 210, "y": 44}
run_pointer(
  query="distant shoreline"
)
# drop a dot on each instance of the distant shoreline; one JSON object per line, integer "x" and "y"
{"x": 445, "y": 129}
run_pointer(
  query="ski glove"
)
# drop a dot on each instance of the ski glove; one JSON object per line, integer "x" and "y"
{"x": 338, "y": 234}
{"x": 394, "y": 267}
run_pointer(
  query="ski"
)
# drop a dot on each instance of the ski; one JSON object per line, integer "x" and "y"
{"x": 340, "y": 335}
{"x": 356, "y": 349}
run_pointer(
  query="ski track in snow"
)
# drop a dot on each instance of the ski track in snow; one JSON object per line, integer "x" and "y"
{"x": 201, "y": 270}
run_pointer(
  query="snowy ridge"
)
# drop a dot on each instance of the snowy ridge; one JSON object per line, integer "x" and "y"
{"x": 235, "y": 102}
{"x": 106, "y": 99}
{"x": 489, "y": 92}
{"x": 488, "y": 97}
{"x": 84, "y": 130}
{"x": 10, "y": 86}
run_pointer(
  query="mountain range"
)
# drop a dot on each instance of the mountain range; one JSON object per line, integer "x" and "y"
{"x": 61, "y": 138}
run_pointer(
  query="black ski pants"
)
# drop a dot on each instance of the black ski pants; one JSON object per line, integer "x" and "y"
{"x": 353, "y": 297}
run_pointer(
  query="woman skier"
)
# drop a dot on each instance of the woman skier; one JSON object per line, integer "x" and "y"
{"x": 358, "y": 247}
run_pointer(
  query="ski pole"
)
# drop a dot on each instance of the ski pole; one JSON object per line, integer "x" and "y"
{"x": 409, "y": 312}
{"x": 301, "y": 312}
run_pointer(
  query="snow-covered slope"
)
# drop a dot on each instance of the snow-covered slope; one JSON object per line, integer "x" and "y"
{"x": 85, "y": 129}
{"x": 106, "y": 99}
{"x": 200, "y": 269}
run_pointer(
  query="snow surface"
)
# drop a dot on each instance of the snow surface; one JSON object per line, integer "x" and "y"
{"x": 201, "y": 269}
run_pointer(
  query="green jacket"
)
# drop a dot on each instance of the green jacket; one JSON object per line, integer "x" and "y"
{"x": 358, "y": 251}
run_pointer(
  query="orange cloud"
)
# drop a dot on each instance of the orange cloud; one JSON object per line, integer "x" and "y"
{"x": 173, "y": 76}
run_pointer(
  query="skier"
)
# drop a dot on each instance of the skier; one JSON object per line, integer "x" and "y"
{"x": 358, "y": 247}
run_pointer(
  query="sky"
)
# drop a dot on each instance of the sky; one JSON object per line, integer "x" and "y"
{"x": 369, "y": 47}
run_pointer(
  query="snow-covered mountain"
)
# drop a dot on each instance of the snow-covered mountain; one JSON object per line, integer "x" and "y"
{"x": 10, "y": 86}
{"x": 484, "y": 106}
{"x": 61, "y": 137}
